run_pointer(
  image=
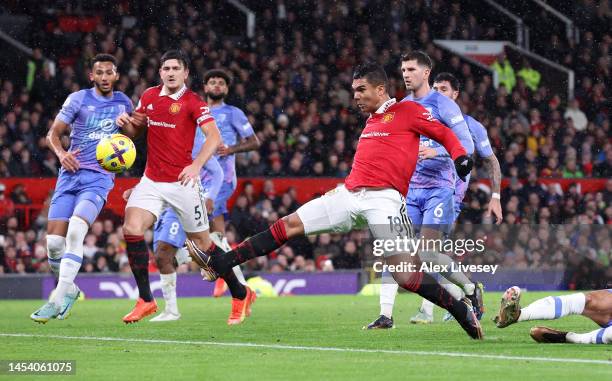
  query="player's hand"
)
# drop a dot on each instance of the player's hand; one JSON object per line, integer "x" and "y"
{"x": 495, "y": 208}
{"x": 127, "y": 193}
{"x": 427, "y": 153}
{"x": 210, "y": 204}
{"x": 69, "y": 160}
{"x": 190, "y": 173}
{"x": 137, "y": 120}
{"x": 224, "y": 150}
{"x": 123, "y": 120}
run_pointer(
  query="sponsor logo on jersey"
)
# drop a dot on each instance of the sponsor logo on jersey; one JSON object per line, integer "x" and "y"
{"x": 161, "y": 124}
{"x": 175, "y": 108}
{"x": 106, "y": 125}
{"x": 388, "y": 117}
{"x": 456, "y": 119}
{"x": 221, "y": 118}
{"x": 91, "y": 108}
{"x": 374, "y": 134}
{"x": 99, "y": 136}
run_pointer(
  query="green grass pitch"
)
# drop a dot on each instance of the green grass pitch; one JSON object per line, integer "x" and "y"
{"x": 271, "y": 344}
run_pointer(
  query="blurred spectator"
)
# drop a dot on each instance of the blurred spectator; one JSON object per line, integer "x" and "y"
{"x": 529, "y": 75}
{"x": 574, "y": 113}
{"x": 505, "y": 72}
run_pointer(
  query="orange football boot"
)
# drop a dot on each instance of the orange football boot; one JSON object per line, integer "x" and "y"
{"x": 220, "y": 288}
{"x": 141, "y": 310}
{"x": 241, "y": 308}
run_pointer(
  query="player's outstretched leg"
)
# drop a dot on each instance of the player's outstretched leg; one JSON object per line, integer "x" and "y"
{"x": 258, "y": 245}
{"x": 549, "y": 335}
{"x": 549, "y": 308}
{"x": 220, "y": 285}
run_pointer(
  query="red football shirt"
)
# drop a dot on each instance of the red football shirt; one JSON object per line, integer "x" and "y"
{"x": 172, "y": 121}
{"x": 388, "y": 147}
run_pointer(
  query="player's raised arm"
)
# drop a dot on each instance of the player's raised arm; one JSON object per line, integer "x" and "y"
{"x": 425, "y": 124}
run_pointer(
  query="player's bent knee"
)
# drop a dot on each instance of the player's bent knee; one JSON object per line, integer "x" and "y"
{"x": 130, "y": 228}
{"x": 293, "y": 225}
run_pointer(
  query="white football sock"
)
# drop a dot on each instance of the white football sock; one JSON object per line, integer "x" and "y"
{"x": 72, "y": 259}
{"x": 600, "y": 336}
{"x": 554, "y": 307}
{"x": 168, "y": 286}
{"x": 56, "y": 245}
{"x": 427, "y": 308}
{"x": 388, "y": 291}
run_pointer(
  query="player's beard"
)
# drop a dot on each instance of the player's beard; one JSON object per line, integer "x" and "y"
{"x": 216, "y": 97}
{"x": 105, "y": 93}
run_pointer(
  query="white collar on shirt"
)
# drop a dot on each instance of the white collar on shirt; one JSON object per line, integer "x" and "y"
{"x": 174, "y": 96}
{"x": 385, "y": 106}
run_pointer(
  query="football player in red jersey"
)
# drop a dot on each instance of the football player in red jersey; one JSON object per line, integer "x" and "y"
{"x": 172, "y": 113}
{"x": 372, "y": 195}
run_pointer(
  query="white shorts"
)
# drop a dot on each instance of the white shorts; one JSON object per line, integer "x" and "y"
{"x": 187, "y": 202}
{"x": 340, "y": 211}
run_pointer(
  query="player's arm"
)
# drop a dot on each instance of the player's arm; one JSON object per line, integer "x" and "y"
{"x": 207, "y": 125}
{"x": 243, "y": 128}
{"x": 451, "y": 116}
{"x": 249, "y": 144}
{"x": 133, "y": 124}
{"x": 68, "y": 159}
{"x": 494, "y": 170}
{"x": 425, "y": 124}
{"x": 67, "y": 115}
{"x": 491, "y": 164}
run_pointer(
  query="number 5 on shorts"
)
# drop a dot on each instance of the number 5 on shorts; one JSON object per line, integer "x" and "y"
{"x": 198, "y": 213}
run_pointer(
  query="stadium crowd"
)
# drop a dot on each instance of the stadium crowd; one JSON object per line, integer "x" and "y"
{"x": 293, "y": 81}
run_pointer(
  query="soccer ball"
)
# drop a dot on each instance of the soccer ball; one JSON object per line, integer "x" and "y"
{"x": 116, "y": 154}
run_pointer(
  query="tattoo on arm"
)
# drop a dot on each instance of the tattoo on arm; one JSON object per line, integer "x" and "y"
{"x": 493, "y": 169}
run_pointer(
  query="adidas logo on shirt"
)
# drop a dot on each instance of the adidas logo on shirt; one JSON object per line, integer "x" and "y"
{"x": 150, "y": 106}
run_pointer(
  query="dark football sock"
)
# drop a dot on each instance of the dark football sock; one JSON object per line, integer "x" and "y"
{"x": 138, "y": 256}
{"x": 426, "y": 286}
{"x": 237, "y": 289}
{"x": 259, "y": 245}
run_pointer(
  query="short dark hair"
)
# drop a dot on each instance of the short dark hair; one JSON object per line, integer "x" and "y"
{"x": 446, "y": 76}
{"x": 218, "y": 73}
{"x": 103, "y": 58}
{"x": 373, "y": 73}
{"x": 175, "y": 54}
{"x": 420, "y": 56}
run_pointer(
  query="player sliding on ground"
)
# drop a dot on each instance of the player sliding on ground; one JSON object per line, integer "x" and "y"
{"x": 595, "y": 305}
{"x": 172, "y": 113}
{"x": 372, "y": 195}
